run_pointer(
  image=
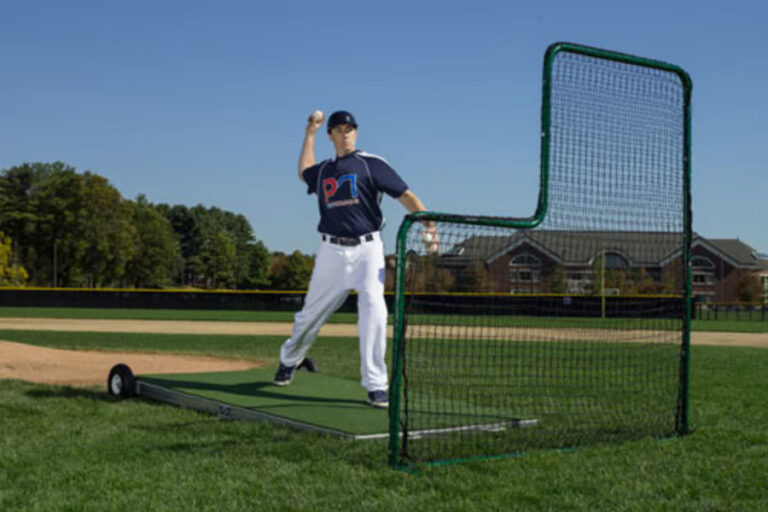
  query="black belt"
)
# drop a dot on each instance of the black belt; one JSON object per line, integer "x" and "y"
{"x": 348, "y": 242}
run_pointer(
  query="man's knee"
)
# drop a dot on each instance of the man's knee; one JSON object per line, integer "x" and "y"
{"x": 372, "y": 303}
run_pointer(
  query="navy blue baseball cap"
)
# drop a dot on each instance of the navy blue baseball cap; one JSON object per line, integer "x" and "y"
{"x": 341, "y": 117}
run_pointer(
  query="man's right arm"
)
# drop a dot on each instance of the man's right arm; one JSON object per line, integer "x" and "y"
{"x": 307, "y": 156}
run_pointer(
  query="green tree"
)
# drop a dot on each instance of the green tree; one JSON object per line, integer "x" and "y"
{"x": 75, "y": 229}
{"x": 10, "y": 274}
{"x": 75, "y": 224}
{"x": 242, "y": 235}
{"x": 645, "y": 283}
{"x": 671, "y": 282}
{"x": 558, "y": 279}
{"x": 749, "y": 289}
{"x": 195, "y": 229}
{"x": 597, "y": 275}
{"x": 21, "y": 188}
{"x": 194, "y": 271}
{"x": 472, "y": 279}
{"x": 424, "y": 275}
{"x": 60, "y": 246}
{"x": 277, "y": 272}
{"x": 187, "y": 230}
{"x": 291, "y": 272}
{"x": 185, "y": 227}
{"x": 107, "y": 231}
{"x": 257, "y": 268}
{"x": 621, "y": 280}
{"x": 299, "y": 268}
{"x": 157, "y": 259}
{"x": 219, "y": 256}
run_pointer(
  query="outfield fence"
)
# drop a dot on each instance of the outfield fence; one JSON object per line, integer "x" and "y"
{"x": 492, "y": 304}
{"x": 119, "y": 298}
{"x": 741, "y": 311}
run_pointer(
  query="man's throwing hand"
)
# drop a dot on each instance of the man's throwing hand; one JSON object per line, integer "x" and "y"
{"x": 315, "y": 121}
{"x": 430, "y": 239}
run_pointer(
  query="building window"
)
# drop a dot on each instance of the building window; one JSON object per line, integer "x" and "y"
{"x": 525, "y": 268}
{"x": 702, "y": 271}
{"x": 526, "y": 259}
{"x": 765, "y": 288}
{"x": 613, "y": 260}
{"x": 703, "y": 278}
{"x": 702, "y": 262}
{"x": 578, "y": 283}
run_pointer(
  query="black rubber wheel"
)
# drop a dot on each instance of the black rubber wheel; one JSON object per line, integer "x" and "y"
{"x": 308, "y": 365}
{"x": 120, "y": 382}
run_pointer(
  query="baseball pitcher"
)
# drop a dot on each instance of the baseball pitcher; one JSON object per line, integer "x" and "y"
{"x": 349, "y": 190}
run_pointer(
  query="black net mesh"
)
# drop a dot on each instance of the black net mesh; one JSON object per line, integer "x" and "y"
{"x": 569, "y": 333}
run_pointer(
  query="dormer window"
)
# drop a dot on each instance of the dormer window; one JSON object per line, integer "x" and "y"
{"x": 614, "y": 260}
{"x": 525, "y": 268}
{"x": 702, "y": 271}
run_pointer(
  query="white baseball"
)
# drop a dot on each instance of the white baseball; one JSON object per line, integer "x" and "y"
{"x": 429, "y": 239}
{"x": 317, "y": 116}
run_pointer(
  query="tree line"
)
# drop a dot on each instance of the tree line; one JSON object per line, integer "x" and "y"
{"x": 64, "y": 228}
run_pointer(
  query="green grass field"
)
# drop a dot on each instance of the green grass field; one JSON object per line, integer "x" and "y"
{"x": 79, "y": 449}
{"x": 730, "y": 325}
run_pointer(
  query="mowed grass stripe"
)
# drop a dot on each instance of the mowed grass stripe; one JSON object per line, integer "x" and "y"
{"x": 75, "y": 449}
{"x": 351, "y": 318}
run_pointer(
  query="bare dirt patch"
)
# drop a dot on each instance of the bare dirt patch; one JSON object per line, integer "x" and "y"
{"x": 88, "y": 368}
{"x": 730, "y": 339}
{"x": 166, "y": 326}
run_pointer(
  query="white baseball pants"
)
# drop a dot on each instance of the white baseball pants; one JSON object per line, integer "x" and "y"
{"x": 339, "y": 269}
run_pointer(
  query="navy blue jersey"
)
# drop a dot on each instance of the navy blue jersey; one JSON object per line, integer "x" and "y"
{"x": 349, "y": 191}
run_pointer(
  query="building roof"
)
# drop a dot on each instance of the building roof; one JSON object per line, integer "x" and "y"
{"x": 581, "y": 247}
{"x": 744, "y": 254}
{"x": 572, "y": 247}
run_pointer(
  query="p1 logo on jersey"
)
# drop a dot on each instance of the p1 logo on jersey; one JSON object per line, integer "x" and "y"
{"x": 333, "y": 185}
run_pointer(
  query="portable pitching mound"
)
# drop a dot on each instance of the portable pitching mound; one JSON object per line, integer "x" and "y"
{"x": 314, "y": 402}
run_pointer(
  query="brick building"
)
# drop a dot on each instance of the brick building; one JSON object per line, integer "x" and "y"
{"x": 620, "y": 263}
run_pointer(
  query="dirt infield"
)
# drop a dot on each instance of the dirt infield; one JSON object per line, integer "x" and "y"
{"x": 87, "y": 368}
{"x": 165, "y": 326}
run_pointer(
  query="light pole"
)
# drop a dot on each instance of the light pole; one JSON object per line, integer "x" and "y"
{"x": 602, "y": 279}
{"x": 54, "y": 263}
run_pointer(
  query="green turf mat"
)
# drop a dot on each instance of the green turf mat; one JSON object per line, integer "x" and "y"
{"x": 313, "y": 398}
{"x": 318, "y": 400}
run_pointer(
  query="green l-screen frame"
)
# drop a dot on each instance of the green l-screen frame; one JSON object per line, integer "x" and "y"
{"x": 613, "y": 218}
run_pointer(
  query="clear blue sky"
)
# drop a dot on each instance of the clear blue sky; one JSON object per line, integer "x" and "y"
{"x": 205, "y": 102}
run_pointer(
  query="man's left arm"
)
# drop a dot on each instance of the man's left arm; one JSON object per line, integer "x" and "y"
{"x": 387, "y": 180}
{"x": 411, "y": 202}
